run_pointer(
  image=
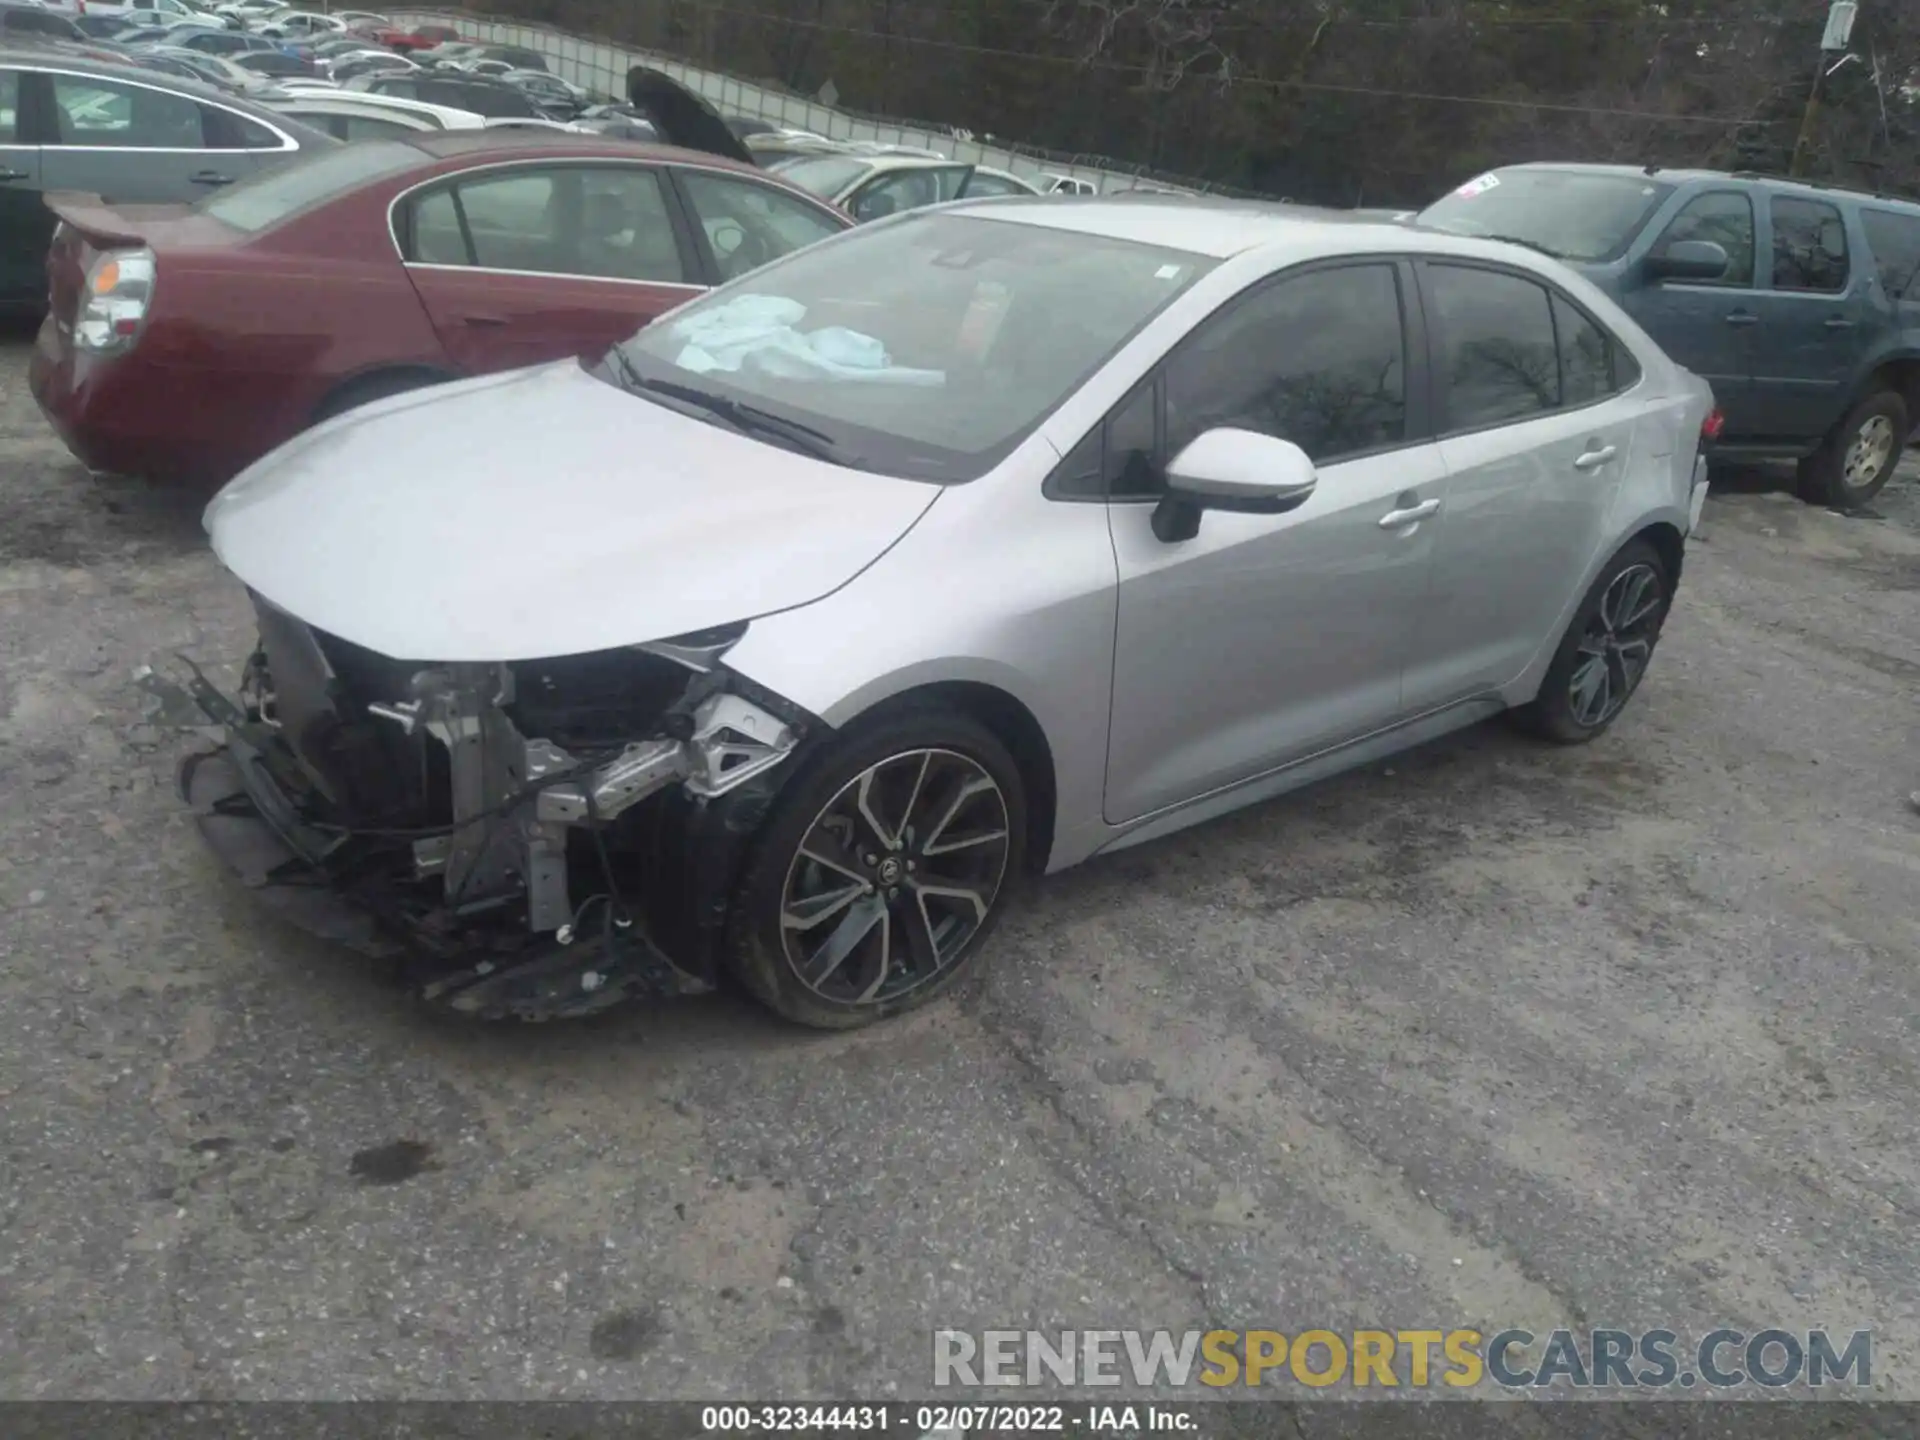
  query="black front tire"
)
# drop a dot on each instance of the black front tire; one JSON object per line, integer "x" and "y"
{"x": 1838, "y": 473}
{"x": 1563, "y": 711}
{"x": 757, "y": 953}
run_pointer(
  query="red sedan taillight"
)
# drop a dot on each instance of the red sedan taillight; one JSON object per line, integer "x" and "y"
{"x": 1711, "y": 427}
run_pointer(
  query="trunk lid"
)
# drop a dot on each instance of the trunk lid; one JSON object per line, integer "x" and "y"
{"x": 88, "y": 226}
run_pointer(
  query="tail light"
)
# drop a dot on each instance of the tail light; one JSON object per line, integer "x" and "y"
{"x": 114, "y": 304}
{"x": 1711, "y": 427}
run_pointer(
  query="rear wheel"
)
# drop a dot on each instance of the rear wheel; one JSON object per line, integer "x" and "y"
{"x": 1606, "y": 650}
{"x": 1857, "y": 459}
{"x": 881, "y": 871}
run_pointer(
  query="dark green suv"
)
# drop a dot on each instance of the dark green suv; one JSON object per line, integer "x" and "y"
{"x": 1799, "y": 304}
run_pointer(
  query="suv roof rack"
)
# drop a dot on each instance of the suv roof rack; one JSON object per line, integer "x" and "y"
{"x": 1824, "y": 185}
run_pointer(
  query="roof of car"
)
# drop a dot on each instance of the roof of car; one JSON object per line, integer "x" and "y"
{"x": 1213, "y": 226}
{"x": 1661, "y": 176}
{"x": 534, "y": 144}
{"x": 57, "y": 55}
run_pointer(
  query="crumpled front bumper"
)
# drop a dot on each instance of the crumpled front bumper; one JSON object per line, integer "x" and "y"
{"x": 515, "y": 958}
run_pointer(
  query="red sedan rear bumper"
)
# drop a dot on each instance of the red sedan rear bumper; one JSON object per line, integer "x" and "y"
{"x": 130, "y": 416}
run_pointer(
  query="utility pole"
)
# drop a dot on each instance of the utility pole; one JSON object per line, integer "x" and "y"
{"x": 1840, "y": 17}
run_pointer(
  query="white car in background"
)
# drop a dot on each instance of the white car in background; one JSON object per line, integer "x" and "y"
{"x": 870, "y": 187}
{"x": 357, "y": 115}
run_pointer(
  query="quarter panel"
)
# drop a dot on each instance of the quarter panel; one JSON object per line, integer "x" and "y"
{"x": 997, "y": 585}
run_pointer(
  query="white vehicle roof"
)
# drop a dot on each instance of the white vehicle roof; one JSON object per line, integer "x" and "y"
{"x": 380, "y": 107}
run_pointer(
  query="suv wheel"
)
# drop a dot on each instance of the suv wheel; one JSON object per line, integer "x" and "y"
{"x": 880, "y": 871}
{"x": 1859, "y": 456}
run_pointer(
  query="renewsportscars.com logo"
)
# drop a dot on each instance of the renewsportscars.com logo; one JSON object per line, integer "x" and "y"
{"x": 1458, "y": 1359}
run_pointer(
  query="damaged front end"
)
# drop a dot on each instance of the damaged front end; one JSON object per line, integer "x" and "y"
{"x": 532, "y": 839}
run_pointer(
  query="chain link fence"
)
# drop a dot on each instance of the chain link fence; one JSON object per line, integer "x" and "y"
{"x": 601, "y": 66}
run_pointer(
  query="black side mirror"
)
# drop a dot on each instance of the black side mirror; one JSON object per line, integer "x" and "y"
{"x": 1688, "y": 260}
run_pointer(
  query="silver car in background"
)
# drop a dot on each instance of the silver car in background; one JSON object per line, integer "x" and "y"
{"x": 970, "y": 544}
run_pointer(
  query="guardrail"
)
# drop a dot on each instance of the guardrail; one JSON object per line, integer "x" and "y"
{"x": 601, "y": 66}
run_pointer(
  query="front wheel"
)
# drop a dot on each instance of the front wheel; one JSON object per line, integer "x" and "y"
{"x": 1606, "y": 650}
{"x": 882, "y": 869}
{"x": 1855, "y": 462}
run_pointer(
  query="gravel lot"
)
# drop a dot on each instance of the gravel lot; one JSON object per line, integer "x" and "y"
{"x": 1493, "y": 1035}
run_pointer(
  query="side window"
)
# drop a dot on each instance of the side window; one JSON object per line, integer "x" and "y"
{"x": 1318, "y": 359}
{"x": 514, "y": 222}
{"x": 748, "y": 223}
{"x": 1895, "y": 242}
{"x": 227, "y": 131}
{"x": 988, "y": 185}
{"x": 1499, "y": 362}
{"x": 907, "y": 190}
{"x": 9, "y": 107}
{"x": 436, "y": 238}
{"x": 1120, "y": 458}
{"x": 1809, "y": 246}
{"x": 1590, "y": 359}
{"x": 104, "y": 112}
{"x": 1724, "y": 217}
{"x": 624, "y": 232}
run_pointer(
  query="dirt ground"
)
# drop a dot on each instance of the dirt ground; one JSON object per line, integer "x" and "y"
{"x": 1492, "y": 1035}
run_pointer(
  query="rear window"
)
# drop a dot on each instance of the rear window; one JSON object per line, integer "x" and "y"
{"x": 1567, "y": 213}
{"x": 279, "y": 194}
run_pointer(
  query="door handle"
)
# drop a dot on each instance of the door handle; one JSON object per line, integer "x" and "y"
{"x": 14, "y": 175}
{"x": 484, "y": 320}
{"x": 212, "y": 177}
{"x": 1837, "y": 323}
{"x": 1594, "y": 459}
{"x": 1394, "y": 519}
{"x": 1743, "y": 317}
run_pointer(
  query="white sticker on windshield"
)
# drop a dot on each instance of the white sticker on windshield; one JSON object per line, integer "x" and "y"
{"x": 1477, "y": 187}
{"x": 1168, "y": 272}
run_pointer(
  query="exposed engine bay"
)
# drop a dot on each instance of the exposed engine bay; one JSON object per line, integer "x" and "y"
{"x": 521, "y": 836}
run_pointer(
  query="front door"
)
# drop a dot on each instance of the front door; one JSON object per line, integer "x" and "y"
{"x": 1707, "y": 326}
{"x": 1807, "y": 344}
{"x": 1536, "y": 439}
{"x": 1265, "y": 639}
{"x": 525, "y": 264}
{"x": 26, "y": 225}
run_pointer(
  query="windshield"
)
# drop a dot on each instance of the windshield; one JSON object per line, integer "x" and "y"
{"x": 1569, "y": 213}
{"x": 271, "y": 196}
{"x": 824, "y": 175}
{"x": 928, "y": 347}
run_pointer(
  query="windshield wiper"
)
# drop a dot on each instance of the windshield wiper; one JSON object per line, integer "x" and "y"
{"x": 749, "y": 419}
{"x": 1530, "y": 244}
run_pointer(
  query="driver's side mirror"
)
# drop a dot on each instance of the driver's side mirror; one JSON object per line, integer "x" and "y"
{"x": 1688, "y": 260}
{"x": 1230, "y": 469}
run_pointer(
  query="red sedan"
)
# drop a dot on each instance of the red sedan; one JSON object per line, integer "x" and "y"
{"x": 182, "y": 343}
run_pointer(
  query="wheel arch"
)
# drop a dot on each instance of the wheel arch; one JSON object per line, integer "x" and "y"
{"x": 371, "y": 376}
{"x": 1017, "y": 727}
{"x": 1668, "y": 543}
{"x": 1898, "y": 370}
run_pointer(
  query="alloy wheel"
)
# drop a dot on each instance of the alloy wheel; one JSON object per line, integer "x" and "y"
{"x": 1867, "y": 456}
{"x": 1616, "y": 646}
{"x": 895, "y": 876}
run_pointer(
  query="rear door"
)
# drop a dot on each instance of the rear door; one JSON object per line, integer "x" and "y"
{"x": 25, "y": 225}
{"x": 132, "y": 143}
{"x": 1537, "y": 432}
{"x": 521, "y": 264}
{"x": 1808, "y": 339}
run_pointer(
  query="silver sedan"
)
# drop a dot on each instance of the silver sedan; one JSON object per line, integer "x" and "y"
{"x": 781, "y": 641}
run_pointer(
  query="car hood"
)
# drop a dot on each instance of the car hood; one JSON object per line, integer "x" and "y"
{"x": 540, "y": 513}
